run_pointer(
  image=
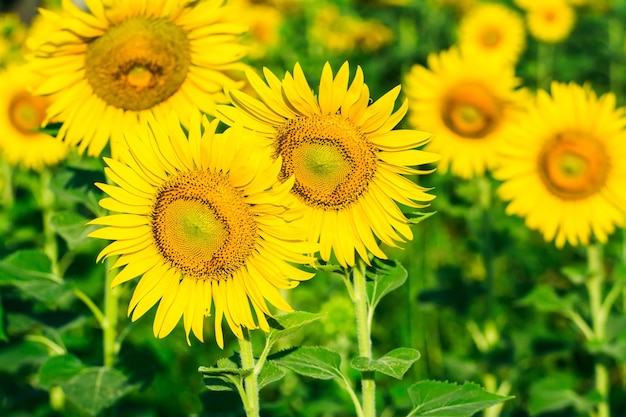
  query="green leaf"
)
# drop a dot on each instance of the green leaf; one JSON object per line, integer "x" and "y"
{"x": 446, "y": 399}
{"x": 544, "y": 298}
{"x": 577, "y": 274}
{"x": 270, "y": 373}
{"x": 96, "y": 388}
{"x": 71, "y": 227}
{"x": 386, "y": 277}
{"x": 76, "y": 185}
{"x": 14, "y": 356}
{"x": 27, "y": 265}
{"x": 555, "y": 392}
{"x": 59, "y": 369}
{"x": 314, "y": 362}
{"x": 418, "y": 217}
{"x": 227, "y": 375}
{"x": 286, "y": 324}
{"x": 394, "y": 363}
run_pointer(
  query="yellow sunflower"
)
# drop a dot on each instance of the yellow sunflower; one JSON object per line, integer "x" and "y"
{"x": 347, "y": 161}
{"x": 468, "y": 103}
{"x": 203, "y": 220}
{"x": 111, "y": 67}
{"x": 563, "y": 167}
{"x": 493, "y": 30}
{"x": 550, "y": 20}
{"x": 20, "y": 114}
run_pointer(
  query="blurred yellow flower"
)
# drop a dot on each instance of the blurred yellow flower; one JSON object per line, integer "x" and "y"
{"x": 109, "y": 68}
{"x": 549, "y": 20}
{"x": 461, "y": 6}
{"x": 468, "y": 102}
{"x": 20, "y": 114}
{"x": 12, "y": 35}
{"x": 493, "y": 30}
{"x": 204, "y": 221}
{"x": 263, "y": 22}
{"x": 340, "y": 33}
{"x": 348, "y": 162}
{"x": 563, "y": 167}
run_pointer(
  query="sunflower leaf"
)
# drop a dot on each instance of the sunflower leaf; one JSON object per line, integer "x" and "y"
{"x": 394, "y": 364}
{"x": 3, "y": 335}
{"x": 310, "y": 361}
{"x": 446, "y": 399}
{"x": 270, "y": 373}
{"x": 386, "y": 276}
{"x": 545, "y": 298}
{"x": 286, "y": 324}
{"x": 25, "y": 266}
{"x": 96, "y": 388}
{"x": 58, "y": 369}
{"x": 222, "y": 382}
{"x": 71, "y": 227}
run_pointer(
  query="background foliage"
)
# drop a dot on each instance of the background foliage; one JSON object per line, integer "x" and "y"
{"x": 484, "y": 300}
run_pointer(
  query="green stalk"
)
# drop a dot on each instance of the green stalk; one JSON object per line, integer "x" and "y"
{"x": 46, "y": 201}
{"x": 8, "y": 197}
{"x": 599, "y": 316}
{"x": 110, "y": 345}
{"x": 251, "y": 398}
{"x": 363, "y": 324}
{"x": 545, "y": 64}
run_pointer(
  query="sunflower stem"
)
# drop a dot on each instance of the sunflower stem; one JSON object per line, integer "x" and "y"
{"x": 46, "y": 201}
{"x": 363, "y": 324}
{"x": 251, "y": 386}
{"x": 109, "y": 329}
{"x": 545, "y": 63}
{"x": 599, "y": 315}
{"x": 8, "y": 197}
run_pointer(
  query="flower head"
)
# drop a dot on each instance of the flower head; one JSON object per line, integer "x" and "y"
{"x": 109, "y": 68}
{"x": 562, "y": 166}
{"x": 468, "y": 103}
{"x": 21, "y": 113}
{"x": 203, "y": 220}
{"x": 347, "y": 160}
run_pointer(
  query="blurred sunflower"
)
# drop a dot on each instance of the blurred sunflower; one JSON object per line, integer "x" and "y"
{"x": 21, "y": 113}
{"x": 549, "y": 20}
{"x": 203, "y": 221}
{"x": 562, "y": 166}
{"x": 263, "y": 22}
{"x": 468, "y": 102}
{"x": 346, "y": 159}
{"x": 341, "y": 33}
{"x": 108, "y": 69}
{"x": 492, "y": 30}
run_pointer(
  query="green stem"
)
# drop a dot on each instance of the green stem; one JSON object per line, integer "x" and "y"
{"x": 251, "y": 386}
{"x": 599, "y": 316}
{"x": 110, "y": 345}
{"x": 363, "y": 324}
{"x": 8, "y": 196}
{"x": 545, "y": 63}
{"x": 46, "y": 201}
{"x": 95, "y": 310}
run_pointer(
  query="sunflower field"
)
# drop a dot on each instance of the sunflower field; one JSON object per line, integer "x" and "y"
{"x": 313, "y": 208}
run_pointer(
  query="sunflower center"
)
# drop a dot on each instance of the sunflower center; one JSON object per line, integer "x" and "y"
{"x": 471, "y": 111}
{"x": 491, "y": 38}
{"x": 27, "y": 112}
{"x": 202, "y": 226}
{"x": 573, "y": 166}
{"x": 331, "y": 159}
{"x": 139, "y": 63}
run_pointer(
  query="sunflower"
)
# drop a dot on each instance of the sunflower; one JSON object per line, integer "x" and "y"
{"x": 20, "y": 114}
{"x": 562, "y": 168}
{"x": 468, "y": 103}
{"x": 549, "y": 20}
{"x": 203, "y": 220}
{"x": 494, "y": 30}
{"x": 107, "y": 69}
{"x": 346, "y": 159}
